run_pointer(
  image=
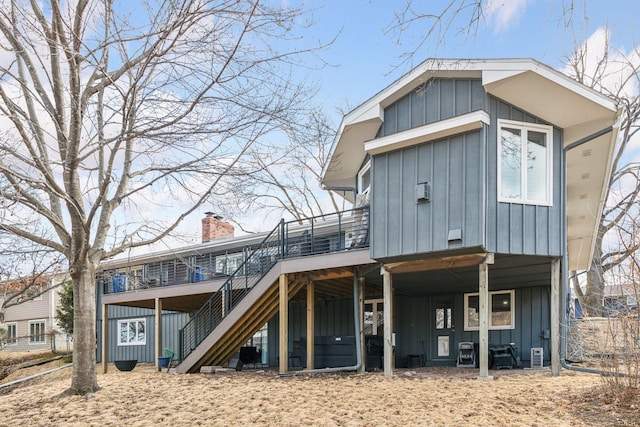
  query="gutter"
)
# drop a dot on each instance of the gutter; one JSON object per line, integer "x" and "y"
{"x": 356, "y": 318}
{"x": 565, "y": 274}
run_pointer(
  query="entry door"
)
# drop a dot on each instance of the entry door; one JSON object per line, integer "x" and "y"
{"x": 442, "y": 343}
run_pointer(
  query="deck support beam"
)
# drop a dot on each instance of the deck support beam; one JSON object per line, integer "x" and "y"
{"x": 387, "y": 292}
{"x": 483, "y": 290}
{"x": 105, "y": 338}
{"x": 158, "y": 335}
{"x": 555, "y": 316}
{"x": 283, "y": 292}
{"x": 310, "y": 324}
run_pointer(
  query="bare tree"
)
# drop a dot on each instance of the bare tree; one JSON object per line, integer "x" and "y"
{"x": 286, "y": 178}
{"x": 26, "y": 272}
{"x": 436, "y": 23}
{"x": 120, "y": 116}
{"x": 617, "y": 75}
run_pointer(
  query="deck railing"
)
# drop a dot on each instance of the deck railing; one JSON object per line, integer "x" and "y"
{"x": 322, "y": 234}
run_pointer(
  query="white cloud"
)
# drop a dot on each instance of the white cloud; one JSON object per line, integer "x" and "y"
{"x": 502, "y": 14}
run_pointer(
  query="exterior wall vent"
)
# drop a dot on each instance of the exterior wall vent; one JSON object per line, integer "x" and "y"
{"x": 537, "y": 359}
{"x": 423, "y": 192}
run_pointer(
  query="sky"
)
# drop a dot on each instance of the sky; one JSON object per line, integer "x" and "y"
{"x": 366, "y": 55}
{"x": 367, "y": 51}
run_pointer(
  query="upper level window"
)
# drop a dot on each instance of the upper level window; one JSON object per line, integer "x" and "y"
{"x": 524, "y": 162}
{"x": 364, "y": 178}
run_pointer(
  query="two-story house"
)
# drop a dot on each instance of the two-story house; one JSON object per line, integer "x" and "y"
{"x": 479, "y": 185}
{"x": 29, "y": 321}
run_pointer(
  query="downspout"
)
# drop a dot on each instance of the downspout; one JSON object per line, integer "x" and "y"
{"x": 565, "y": 264}
{"x": 356, "y": 318}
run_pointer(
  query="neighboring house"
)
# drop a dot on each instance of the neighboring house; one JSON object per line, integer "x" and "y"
{"x": 478, "y": 186}
{"x": 616, "y": 300}
{"x": 30, "y": 325}
{"x": 620, "y": 299}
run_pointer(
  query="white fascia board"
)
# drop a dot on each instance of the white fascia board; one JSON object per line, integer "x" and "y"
{"x": 430, "y": 132}
{"x": 373, "y": 111}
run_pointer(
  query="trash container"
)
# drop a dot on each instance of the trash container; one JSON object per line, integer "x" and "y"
{"x": 164, "y": 362}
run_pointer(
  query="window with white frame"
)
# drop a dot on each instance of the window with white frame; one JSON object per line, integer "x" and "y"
{"x": 132, "y": 332}
{"x": 525, "y": 172}
{"x": 502, "y": 313}
{"x": 36, "y": 332}
{"x": 364, "y": 178}
{"x": 12, "y": 334}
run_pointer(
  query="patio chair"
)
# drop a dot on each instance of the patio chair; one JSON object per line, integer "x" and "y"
{"x": 466, "y": 355}
{"x": 250, "y": 355}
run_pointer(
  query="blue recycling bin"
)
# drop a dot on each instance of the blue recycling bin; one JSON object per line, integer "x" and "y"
{"x": 164, "y": 362}
{"x": 198, "y": 274}
{"x": 119, "y": 283}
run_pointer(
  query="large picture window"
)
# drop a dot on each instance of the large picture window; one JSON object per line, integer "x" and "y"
{"x": 501, "y": 310}
{"x": 36, "y": 332}
{"x": 132, "y": 332}
{"x": 524, "y": 162}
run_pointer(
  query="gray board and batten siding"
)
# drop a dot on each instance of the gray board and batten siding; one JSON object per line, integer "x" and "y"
{"x": 416, "y": 331}
{"x": 463, "y": 212}
{"x": 172, "y": 322}
{"x": 415, "y": 325}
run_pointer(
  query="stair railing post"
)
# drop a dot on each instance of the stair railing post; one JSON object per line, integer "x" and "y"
{"x": 281, "y": 238}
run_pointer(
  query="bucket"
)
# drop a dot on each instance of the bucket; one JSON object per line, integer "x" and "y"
{"x": 119, "y": 283}
{"x": 164, "y": 362}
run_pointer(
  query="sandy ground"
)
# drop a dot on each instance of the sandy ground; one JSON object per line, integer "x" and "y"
{"x": 440, "y": 397}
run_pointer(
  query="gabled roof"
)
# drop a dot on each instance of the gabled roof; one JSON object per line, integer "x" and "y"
{"x": 536, "y": 88}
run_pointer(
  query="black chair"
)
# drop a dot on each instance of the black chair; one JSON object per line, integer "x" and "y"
{"x": 298, "y": 353}
{"x": 250, "y": 355}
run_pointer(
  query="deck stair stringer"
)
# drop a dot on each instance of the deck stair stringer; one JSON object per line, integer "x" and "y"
{"x": 255, "y": 309}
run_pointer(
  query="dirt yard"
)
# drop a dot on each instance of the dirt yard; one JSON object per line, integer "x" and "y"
{"x": 425, "y": 397}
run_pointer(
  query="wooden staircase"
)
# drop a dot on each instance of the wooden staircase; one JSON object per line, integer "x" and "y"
{"x": 256, "y": 309}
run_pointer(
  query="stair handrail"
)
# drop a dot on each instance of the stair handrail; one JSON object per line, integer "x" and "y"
{"x": 275, "y": 246}
{"x": 192, "y": 326}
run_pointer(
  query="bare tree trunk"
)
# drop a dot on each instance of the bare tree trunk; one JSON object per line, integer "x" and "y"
{"x": 84, "y": 327}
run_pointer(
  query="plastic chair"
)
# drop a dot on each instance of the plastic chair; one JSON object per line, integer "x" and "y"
{"x": 172, "y": 357}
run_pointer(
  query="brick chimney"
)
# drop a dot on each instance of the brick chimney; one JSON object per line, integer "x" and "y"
{"x": 213, "y": 227}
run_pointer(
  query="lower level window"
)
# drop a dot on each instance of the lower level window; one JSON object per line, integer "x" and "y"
{"x": 36, "y": 332}
{"x": 132, "y": 332}
{"x": 12, "y": 333}
{"x": 501, "y": 310}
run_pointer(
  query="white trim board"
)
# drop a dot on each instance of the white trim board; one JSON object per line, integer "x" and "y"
{"x": 429, "y": 132}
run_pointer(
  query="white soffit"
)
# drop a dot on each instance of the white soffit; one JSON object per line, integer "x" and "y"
{"x": 430, "y": 132}
{"x": 348, "y": 154}
{"x": 532, "y": 93}
{"x": 588, "y": 170}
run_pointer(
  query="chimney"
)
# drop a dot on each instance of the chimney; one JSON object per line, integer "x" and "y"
{"x": 213, "y": 227}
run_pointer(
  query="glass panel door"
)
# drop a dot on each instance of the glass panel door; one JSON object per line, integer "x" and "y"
{"x": 442, "y": 342}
